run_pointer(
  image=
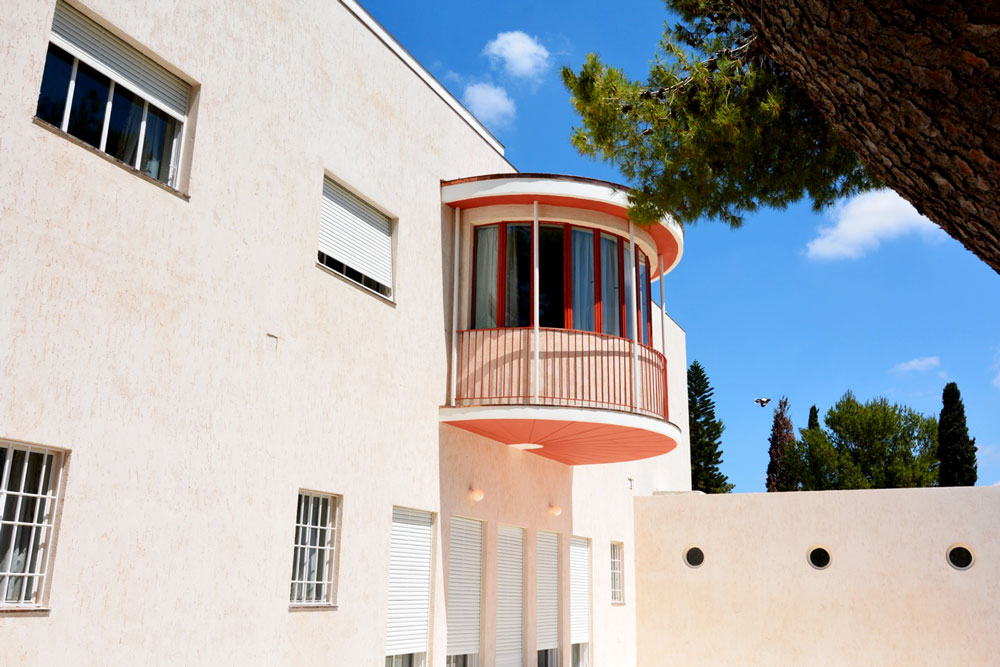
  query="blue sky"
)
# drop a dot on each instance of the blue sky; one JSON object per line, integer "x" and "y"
{"x": 866, "y": 296}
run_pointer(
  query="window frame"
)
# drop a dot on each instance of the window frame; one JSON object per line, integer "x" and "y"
{"x": 45, "y": 542}
{"x": 181, "y": 130}
{"x": 645, "y": 335}
{"x": 332, "y": 566}
{"x": 617, "y": 574}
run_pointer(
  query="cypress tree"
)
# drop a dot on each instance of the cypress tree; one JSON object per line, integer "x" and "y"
{"x": 706, "y": 435}
{"x": 956, "y": 450}
{"x": 781, "y": 467}
{"x": 813, "y": 418}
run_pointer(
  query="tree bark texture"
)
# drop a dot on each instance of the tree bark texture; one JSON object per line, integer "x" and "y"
{"x": 913, "y": 87}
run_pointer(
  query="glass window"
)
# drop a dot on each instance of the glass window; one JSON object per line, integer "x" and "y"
{"x": 485, "y": 304}
{"x": 314, "y": 550}
{"x": 643, "y": 298}
{"x": 610, "y": 312}
{"x": 583, "y": 279}
{"x": 158, "y": 144}
{"x": 55, "y": 86}
{"x": 29, "y": 479}
{"x": 617, "y": 572}
{"x": 518, "y": 264}
{"x": 551, "y": 310}
{"x": 124, "y": 125}
{"x": 629, "y": 282}
{"x": 90, "y": 101}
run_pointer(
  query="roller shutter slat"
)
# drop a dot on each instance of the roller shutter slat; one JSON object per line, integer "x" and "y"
{"x": 547, "y": 582}
{"x": 465, "y": 568}
{"x": 356, "y": 234}
{"x": 409, "y": 581}
{"x": 579, "y": 586}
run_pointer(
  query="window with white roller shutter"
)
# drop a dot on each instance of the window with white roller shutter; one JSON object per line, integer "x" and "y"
{"x": 547, "y": 587}
{"x": 510, "y": 595}
{"x": 106, "y": 93}
{"x": 465, "y": 573}
{"x": 579, "y": 599}
{"x": 355, "y": 239}
{"x": 409, "y": 584}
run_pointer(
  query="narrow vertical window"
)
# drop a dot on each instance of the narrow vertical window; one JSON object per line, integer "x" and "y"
{"x": 609, "y": 286}
{"x": 314, "y": 553}
{"x": 518, "y": 265}
{"x": 124, "y": 126}
{"x": 617, "y": 571}
{"x": 485, "y": 304}
{"x": 89, "y": 103}
{"x": 583, "y": 279}
{"x": 551, "y": 310}
{"x": 643, "y": 298}
{"x": 29, "y": 489}
{"x": 629, "y": 258}
{"x": 55, "y": 86}
{"x": 158, "y": 145}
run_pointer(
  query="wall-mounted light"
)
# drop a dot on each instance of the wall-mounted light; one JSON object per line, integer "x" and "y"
{"x": 476, "y": 494}
{"x": 555, "y": 510}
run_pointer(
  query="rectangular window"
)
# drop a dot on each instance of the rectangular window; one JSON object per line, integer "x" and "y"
{"x": 547, "y": 592}
{"x": 509, "y": 596}
{"x": 406, "y": 660}
{"x": 617, "y": 572}
{"x": 551, "y": 312}
{"x": 464, "y": 591}
{"x": 548, "y": 657}
{"x": 104, "y": 92}
{"x": 411, "y": 546}
{"x": 485, "y": 304}
{"x": 355, "y": 239}
{"x": 643, "y": 299}
{"x": 518, "y": 288}
{"x": 581, "y": 655}
{"x": 315, "y": 552}
{"x": 29, "y": 491}
{"x": 609, "y": 285}
{"x": 583, "y": 279}
{"x": 628, "y": 258}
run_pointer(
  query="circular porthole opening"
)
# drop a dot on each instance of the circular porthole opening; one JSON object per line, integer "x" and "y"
{"x": 819, "y": 558}
{"x": 694, "y": 557}
{"x": 960, "y": 557}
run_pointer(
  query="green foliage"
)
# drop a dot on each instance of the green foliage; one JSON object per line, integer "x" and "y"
{"x": 782, "y": 473}
{"x": 956, "y": 449}
{"x": 717, "y": 130}
{"x": 873, "y": 445}
{"x": 813, "y": 418}
{"x": 706, "y": 435}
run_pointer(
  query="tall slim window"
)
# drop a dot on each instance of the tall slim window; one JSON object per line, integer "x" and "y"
{"x": 29, "y": 489}
{"x": 629, "y": 261}
{"x": 487, "y": 254}
{"x": 105, "y": 93}
{"x": 551, "y": 310}
{"x": 518, "y": 264}
{"x": 583, "y": 279}
{"x": 610, "y": 312}
{"x": 643, "y": 299}
{"x": 617, "y": 573}
{"x": 314, "y": 553}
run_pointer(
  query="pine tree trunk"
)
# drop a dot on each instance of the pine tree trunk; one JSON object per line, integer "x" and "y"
{"x": 913, "y": 87}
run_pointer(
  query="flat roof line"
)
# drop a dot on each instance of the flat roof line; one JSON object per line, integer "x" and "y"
{"x": 376, "y": 28}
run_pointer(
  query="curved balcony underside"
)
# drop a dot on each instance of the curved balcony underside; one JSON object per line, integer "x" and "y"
{"x": 583, "y": 397}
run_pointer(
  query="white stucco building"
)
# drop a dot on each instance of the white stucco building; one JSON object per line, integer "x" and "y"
{"x": 298, "y": 369}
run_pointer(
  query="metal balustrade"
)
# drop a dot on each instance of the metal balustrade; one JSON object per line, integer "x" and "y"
{"x": 574, "y": 369}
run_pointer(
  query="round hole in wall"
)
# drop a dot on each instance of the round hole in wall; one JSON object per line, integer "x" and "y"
{"x": 960, "y": 557}
{"x": 694, "y": 557}
{"x": 819, "y": 558}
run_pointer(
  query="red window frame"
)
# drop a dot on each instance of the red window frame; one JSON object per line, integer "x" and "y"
{"x": 501, "y": 278}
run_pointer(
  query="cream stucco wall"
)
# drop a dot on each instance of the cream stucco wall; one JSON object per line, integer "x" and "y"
{"x": 134, "y": 328}
{"x": 889, "y": 596}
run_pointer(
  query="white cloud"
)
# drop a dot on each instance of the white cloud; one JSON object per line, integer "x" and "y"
{"x": 489, "y": 103}
{"x": 864, "y": 221}
{"x": 521, "y": 54}
{"x": 918, "y": 364}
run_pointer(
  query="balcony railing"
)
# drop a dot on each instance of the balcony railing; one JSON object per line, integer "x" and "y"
{"x": 574, "y": 369}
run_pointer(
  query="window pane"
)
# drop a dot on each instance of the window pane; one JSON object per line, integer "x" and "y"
{"x": 124, "y": 125}
{"x": 643, "y": 299}
{"x": 90, "y": 101}
{"x": 55, "y": 85}
{"x": 610, "y": 311}
{"x": 551, "y": 312}
{"x": 157, "y": 146}
{"x": 583, "y": 280}
{"x": 486, "y": 278}
{"x": 518, "y": 306}
{"x": 629, "y": 282}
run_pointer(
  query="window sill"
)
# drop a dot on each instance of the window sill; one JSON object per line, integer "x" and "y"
{"x": 617, "y": 604}
{"x": 384, "y": 299}
{"x": 313, "y": 607}
{"x": 45, "y": 125}
{"x": 25, "y": 611}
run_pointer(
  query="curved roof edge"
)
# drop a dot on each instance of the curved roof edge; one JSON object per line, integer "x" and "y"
{"x": 562, "y": 190}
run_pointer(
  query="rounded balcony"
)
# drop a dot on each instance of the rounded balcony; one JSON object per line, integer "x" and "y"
{"x": 554, "y": 318}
